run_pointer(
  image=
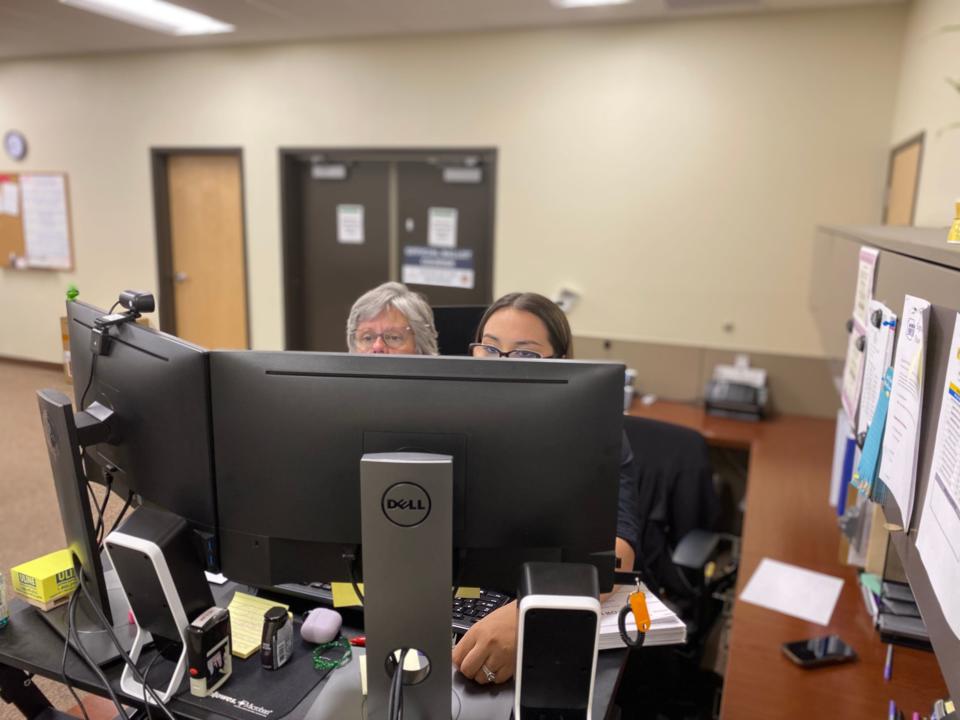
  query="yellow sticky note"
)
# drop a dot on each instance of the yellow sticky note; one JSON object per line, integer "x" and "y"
{"x": 344, "y": 595}
{"x": 246, "y": 622}
{"x": 410, "y": 663}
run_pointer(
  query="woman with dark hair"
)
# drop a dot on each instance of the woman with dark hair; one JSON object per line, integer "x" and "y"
{"x": 528, "y": 325}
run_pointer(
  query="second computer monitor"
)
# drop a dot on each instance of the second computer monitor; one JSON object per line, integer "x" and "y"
{"x": 536, "y": 448}
{"x": 158, "y": 387}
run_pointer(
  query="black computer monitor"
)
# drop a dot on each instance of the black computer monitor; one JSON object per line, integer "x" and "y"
{"x": 536, "y": 448}
{"x": 157, "y": 385}
{"x": 457, "y": 327}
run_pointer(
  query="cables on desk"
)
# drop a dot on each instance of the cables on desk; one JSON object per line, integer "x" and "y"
{"x": 395, "y": 699}
{"x": 123, "y": 653}
{"x": 72, "y": 630}
{"x": 63, "y": 659}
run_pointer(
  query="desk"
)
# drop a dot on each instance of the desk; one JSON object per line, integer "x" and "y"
{"x": 788, "y": 518}
{"x": 30, "y": 645}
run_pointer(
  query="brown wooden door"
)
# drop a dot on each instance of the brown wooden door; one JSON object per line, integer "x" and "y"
{"x": 207, "y": 249}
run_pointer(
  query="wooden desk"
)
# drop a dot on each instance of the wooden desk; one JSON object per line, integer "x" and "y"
{"x": 788, "y": 518}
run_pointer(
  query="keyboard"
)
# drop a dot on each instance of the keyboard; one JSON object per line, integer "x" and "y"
{"x": 463, "y": 613}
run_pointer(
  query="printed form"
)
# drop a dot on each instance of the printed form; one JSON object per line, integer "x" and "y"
{"x": 901, "y": 436}
{"x": 938, "y": 538}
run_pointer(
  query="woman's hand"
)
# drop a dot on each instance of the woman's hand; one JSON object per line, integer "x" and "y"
{"x": 490, "y": 646}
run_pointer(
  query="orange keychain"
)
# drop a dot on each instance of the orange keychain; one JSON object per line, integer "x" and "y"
{"x": 637, "y": 604}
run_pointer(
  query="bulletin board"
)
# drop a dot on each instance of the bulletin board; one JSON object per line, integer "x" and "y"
{"x": 35, "y": 221}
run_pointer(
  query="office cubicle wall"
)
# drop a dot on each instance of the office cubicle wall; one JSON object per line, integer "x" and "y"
{"x": 918, "y": 262}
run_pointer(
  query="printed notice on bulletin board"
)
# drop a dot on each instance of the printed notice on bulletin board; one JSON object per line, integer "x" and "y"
{"x": 350, "y": 224}
{"x": 443, "y": 267}
{"x": 46, "y": 229}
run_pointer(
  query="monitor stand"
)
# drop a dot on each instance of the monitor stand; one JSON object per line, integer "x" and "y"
{"x": 95, "y": 639}
{"x": 406, "y": 511}
{"x": 65, "y": 433}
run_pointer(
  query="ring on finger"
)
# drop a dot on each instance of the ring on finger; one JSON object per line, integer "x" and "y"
{"x": 489, "y": 674}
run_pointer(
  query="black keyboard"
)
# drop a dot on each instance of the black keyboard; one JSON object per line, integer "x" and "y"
{"x": 464, "y": 613}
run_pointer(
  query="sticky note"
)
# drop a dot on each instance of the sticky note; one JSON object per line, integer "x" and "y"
{"x": 344, "y": 595}
{"x": 246, "y": 622}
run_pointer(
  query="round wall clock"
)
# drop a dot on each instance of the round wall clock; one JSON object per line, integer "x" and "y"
{"x": 15, "y": 144}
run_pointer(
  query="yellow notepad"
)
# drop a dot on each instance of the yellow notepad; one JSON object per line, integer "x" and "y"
{"x": 246, "y": 622}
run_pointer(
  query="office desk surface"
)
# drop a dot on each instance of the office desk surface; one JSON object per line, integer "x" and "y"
{"x": 29, "y": 644}
{"x": 788, "y": 518}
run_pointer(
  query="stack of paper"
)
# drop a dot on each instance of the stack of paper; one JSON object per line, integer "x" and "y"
{"x": 665, "y": 627}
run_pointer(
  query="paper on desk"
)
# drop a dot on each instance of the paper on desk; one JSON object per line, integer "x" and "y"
{"x": 665, "y": 627}
{"x": 938, "y": 537}
{"x": 793, "y": 591}
{"x": 881, "y": 332}
{"x": 901, "y": 436}
{"x": 246, "y": 622}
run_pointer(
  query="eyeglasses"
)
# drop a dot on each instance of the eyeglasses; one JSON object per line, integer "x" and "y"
{"x": 491, "y": 352}
{"x": 394, "y": 338}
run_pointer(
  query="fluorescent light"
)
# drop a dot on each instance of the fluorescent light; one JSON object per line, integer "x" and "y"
{"x": 587, "y": 3}
{"x": 156, "y": 15}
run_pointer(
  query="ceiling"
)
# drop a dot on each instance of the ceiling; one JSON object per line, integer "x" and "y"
{"x": 36, "y": 28}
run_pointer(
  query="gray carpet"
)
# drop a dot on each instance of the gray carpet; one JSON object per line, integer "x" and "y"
{"x": 30, "y": 520}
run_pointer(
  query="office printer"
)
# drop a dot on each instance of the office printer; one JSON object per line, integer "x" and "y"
{"x": 738, "y": 391}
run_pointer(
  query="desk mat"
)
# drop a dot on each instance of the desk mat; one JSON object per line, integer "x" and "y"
{"x": 252, "y": 691}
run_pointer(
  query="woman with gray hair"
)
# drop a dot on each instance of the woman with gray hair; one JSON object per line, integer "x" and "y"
{"x": 391, "y": 319}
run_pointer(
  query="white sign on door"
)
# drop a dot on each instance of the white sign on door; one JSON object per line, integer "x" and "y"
{"x": 442, "y": 227}
{"x": 350, "y": 224}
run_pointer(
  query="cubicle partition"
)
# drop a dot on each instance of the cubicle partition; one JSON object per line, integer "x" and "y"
{"x": 915, "y": 261}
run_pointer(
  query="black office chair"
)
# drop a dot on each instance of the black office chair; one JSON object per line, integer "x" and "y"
{"x": 677, "y": 547}
{"x": 677, "y": 497}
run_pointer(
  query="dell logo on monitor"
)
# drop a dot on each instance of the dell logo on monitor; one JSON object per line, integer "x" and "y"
{"x": 406, "y": 504}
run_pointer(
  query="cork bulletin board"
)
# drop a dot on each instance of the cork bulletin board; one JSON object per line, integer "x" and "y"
{"x": 35, "y": 221}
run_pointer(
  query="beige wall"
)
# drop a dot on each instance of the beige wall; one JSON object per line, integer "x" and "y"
{"x": 672, "y": 173}
{"x": 927, "y": 103}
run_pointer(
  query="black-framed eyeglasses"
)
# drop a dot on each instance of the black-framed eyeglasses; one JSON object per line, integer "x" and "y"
{"x": 492, "y": 352}
{"x": 394, "y": 338}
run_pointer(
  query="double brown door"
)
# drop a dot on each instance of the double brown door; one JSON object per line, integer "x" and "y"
{"x": 352, "y": 220}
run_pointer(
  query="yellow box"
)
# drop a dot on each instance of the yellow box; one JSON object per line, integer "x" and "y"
{"x": 46, "y": 579}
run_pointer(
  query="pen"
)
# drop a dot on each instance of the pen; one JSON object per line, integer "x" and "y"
{"x": 888, "y": 665}
{"x": 893, "y": 710}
